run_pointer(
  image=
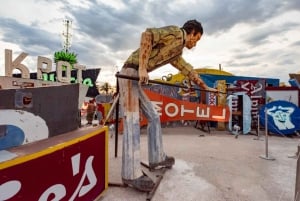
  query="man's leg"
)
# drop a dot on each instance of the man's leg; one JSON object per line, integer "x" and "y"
{"x": 131, "y": 169}
{"x": 131, "y": 133}
{"x": 156, "y": 154}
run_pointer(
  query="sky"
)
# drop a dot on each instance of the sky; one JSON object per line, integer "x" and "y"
{"x": 257, "y": 38}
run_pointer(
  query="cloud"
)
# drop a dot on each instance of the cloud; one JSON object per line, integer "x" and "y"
{"x": 292, "y": 5}
{"x": 297, "y": 43}
{"x": 260, "y": 36}
{"x": 30, "y": 38}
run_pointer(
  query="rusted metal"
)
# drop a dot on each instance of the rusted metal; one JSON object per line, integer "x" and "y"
{"x": 113, "y": 184}
{"x": 159, "y": 173}
{"x": 157, "y": 182}
{"x": 159, "y": 176}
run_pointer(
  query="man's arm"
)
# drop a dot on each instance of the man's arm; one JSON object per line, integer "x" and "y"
{"x": 145, "y": 51}
{"x": 187, "y": 70}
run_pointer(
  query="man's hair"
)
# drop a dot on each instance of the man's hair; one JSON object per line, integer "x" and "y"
{"x": 193, "y": 25}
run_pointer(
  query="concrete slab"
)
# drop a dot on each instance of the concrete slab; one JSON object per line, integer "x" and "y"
{"x": 216, "y": 167}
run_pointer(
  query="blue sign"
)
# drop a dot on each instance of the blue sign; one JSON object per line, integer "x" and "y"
{"x": 283, "y": 117}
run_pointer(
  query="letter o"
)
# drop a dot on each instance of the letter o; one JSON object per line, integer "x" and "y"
{"x": 176, "y": 110}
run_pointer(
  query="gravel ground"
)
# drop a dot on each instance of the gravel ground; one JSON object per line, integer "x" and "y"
{"x": 214, "y": 167}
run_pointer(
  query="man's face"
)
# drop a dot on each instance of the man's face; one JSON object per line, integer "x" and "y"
{"x": 192, "y": 40}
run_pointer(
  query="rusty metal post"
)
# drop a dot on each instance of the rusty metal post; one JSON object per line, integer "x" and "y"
{"x": 297, "y": 184}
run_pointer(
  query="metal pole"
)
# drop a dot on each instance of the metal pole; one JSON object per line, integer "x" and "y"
{"x": 258, "y": 131}
{"x": 266, "y": 138}
{"x": 297, "y": 185}
{"x": 117, "y": 121}
{"x": 266, "y": 123}
{"x": 258, "y": 126}
{"x": 165, "y": 83}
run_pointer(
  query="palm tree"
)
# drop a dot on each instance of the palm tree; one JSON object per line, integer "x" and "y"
{"x": 105, "y": 87}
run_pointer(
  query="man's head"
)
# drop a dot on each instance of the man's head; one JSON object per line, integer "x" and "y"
{"x": 194, "y": 31}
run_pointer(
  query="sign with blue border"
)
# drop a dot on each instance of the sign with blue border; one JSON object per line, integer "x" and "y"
{"x": 283, "y": 117}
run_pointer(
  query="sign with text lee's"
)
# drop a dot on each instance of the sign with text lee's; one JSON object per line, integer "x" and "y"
{"x": 73, "y": 170}
{"x": 64, "y": 72}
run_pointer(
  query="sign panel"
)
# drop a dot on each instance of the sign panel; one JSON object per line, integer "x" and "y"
{"x": 89, "y": 77}
{"x": 255, "y": 89}
{"x": 72, "y": 170}
{"x": 171, "y": 109}
{"x": 283, "y": 117}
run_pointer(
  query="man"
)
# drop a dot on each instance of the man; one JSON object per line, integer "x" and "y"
{"x": 159, "y": 46}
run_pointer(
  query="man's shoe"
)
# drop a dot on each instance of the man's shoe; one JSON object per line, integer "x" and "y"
{"x": 143, "y": 183}
{"x": 168, "y": 163}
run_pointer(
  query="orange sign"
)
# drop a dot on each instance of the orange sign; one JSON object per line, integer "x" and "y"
{"x": 171, "y": 109}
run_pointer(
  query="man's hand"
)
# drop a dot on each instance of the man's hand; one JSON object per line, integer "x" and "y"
{"x": 197, "y": 80}
{"x": 143, "y": 75}
{"x": 211, "y": 89}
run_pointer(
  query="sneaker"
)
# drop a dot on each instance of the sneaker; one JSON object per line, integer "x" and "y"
{"x": 143, "y": 183}
{"x": 168, "y": 163}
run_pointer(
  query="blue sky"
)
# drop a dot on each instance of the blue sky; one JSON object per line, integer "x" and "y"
{"x": 258, "y": 38}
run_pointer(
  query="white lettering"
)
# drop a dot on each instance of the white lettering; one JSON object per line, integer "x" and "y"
{"x": 44, "y": 65}
{"x": 202, "y": 113}
{"x": 58, "y": 190}
{"x": 170, "y": 105}
{"x": 254, "y": 103}
{"x": 157, "y": 106}
{"x": 244, "y": 86}
{"x": 220, "y": 117}
{"x": 59, "y": 70}
{"x": 185, "y": 111}
{"x": 79, "y": 72}
{"x": 9, "y": 189}
{"x": 88, "y": 174}
{"x": 43, "y": 61}
{"x": 10, "y": 65}
{"x": 256, "y": 89}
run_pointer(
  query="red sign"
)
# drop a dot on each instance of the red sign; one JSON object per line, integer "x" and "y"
{"x": 72, "y": 170}
{"x": 171, "y": 109}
